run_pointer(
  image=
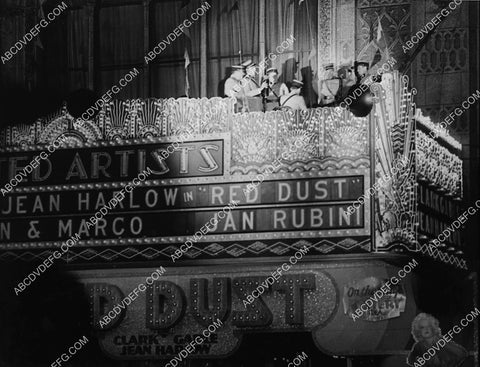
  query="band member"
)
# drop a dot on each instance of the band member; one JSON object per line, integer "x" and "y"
{"x": 346, "y": 73}
{"x": 361, "y": 70}
{"x": 251, "y": 88}
{"x": 233, "y": 87}
{"x": 294, "y": 100}
{"x": 274, "y": 90}
{"x": 331, "y": 89}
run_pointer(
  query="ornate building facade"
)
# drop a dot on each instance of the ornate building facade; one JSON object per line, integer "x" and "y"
{"x": 311, "y": 208}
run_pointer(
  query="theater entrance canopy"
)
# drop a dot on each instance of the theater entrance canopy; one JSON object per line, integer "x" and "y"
{"x": 226, "y": 202}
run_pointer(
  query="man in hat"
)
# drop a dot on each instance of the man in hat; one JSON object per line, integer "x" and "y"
{"x": 251, "y": 89}
{"x": 347, "y": 75}
{"x": 233, "y": 87}
{"x": 331, "y": 87}
{"x": 294, "y": 100}
{"x": 274, "y": 90}
{"x": 361, "y": 70}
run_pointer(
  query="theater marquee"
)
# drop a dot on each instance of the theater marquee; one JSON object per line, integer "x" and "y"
{"x": 184, "y": 192}
{"x": 178, "y": 307}
{"x": 184, "y": 301}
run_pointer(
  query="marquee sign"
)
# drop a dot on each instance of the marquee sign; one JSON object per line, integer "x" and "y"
{"x": 180, "y": 210}
{"x": 112, "y": 161}
{"x": 185, "y": 301}
{"x": 188, "y": 188}
{"x": 436, "y": 212}
{"x": 178, "y": 307}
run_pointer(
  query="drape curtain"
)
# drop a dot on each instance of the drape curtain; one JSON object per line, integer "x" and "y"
{"x": 121, "y": 36}
{"x": 121, "y": 48}
{"x": 77, "y": 50}
{"x": 287, "y": 17}
{"x": 167, "y": 76}
{"x": 232, "y": 27}
{"x": 121, "y": 43}
{"x": 53, "y": 73}
{"x": 12, "y": 28}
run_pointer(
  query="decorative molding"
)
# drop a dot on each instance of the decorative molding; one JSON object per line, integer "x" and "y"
{"x": 445, "y": 257}
{"x": 395, "y": 17}
{"x": 376, "y": 3}
{"x": 324, "y": 32}
{"x": 345, "y": 33}
{"x": 438, "y": 112}
{"x": 438, "y": 166}
{"x": 258, "y": 138}
{"x": 398, "y": 138}
{"x": 213, "y": 250}
{"x": 312, "y": 167}
{"x": 395, "y": 168}
{"x": 445, "y": 52}
{"x": 440, "y": 131}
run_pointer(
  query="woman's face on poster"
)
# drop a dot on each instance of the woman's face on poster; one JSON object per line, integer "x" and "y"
{"x": 425, "y": 329}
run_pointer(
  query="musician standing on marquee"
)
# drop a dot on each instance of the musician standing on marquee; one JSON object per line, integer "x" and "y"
{"x": 233, "y": 87}
{"x": 294, "y": 100}
{"x": 251, "y": 89}
{"x": 274, "y": 90}
{"x": 331, "y": 87}
{"x": 361, "y": 70}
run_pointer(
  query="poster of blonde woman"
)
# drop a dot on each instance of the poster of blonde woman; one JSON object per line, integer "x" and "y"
{"x": 431, "y": 349}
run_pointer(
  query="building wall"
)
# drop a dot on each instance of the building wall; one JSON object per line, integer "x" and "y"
{"x": 12, "y": 26}
{"x": 445, "y": 73}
